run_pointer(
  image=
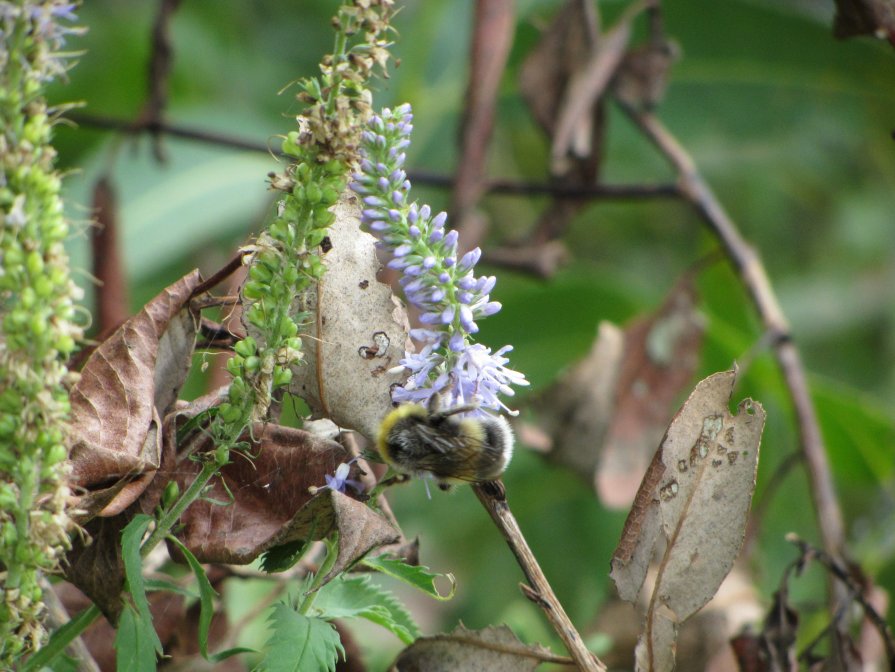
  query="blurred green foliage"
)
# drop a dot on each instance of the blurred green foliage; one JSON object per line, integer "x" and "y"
{"x": 792, "y": 128}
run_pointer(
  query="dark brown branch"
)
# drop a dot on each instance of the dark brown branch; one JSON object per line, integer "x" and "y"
{"x": 621, "y": 192}
{"x": 754, "y": 277}
{"x": 157, "y": 126}
{"x": 160, "y": 64}
{"x": 493, "y": 497}
{"x": 845, "y": 577}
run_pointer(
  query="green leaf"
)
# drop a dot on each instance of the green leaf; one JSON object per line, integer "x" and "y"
{"x": 357, "y": 597}
{"x": 414, "y": 575}
{"x": 133, "y": 570}
{"x": 136, "y": 642}
{"x": 157, "y": 585}
{"x": 281, "y": 558}
{"x": 206, "y": 595}
{"x": 206, "y": 606}
{"x": 300, "y": 643}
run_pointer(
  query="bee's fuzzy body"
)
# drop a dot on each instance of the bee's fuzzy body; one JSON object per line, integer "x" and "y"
{"x": 432, "y": 442}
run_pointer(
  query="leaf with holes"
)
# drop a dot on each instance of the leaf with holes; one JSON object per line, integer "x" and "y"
{"x": 690, "y": 513}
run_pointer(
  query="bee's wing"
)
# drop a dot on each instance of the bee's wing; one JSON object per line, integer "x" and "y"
{"x": 441, "y": 443}
{"x": 452, "y": 457}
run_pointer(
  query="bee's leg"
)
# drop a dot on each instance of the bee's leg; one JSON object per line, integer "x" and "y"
{"x": 444, "y": 486}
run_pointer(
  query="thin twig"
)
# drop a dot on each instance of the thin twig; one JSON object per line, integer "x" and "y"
{"x": 837, "y": 570}
{"x": 493, "y": 497}
{"x": 161, "y": 63}
{"x": 754, "y": 277}
{"x": 606, "y": 192}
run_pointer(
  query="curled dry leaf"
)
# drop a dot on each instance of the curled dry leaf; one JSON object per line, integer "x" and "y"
{"x": 95, "y": 565}
{"x": 256, "y": 495}
{"x": 358, "y": 331}
{"x": 494, "y": 649}
{"x": 643, "y": 74}
{"x": 126, "y": 385}
{"x": 360, "y": 528}
{"x": 690, "y": 513}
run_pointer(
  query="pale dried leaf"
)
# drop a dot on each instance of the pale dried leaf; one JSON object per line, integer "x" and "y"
{"x": 691, "y": 512}
{"x": 494, "y": 649}
{"x": 360, "y": 336}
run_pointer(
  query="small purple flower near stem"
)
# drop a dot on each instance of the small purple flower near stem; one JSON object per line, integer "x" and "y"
{"x": 339, "y": 481}
{"x": 442, "y": 287}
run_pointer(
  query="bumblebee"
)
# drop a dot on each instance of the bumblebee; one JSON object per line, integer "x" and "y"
{"x": 432, "y": 442}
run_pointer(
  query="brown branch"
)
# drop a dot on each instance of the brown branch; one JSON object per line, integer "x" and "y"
{"x": 835, "y": 568}
{"x": 754, "y": 277}
{"x": 493, "y": 497}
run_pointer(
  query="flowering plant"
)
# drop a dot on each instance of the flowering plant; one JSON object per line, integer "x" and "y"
{"x": 442, "y": 287}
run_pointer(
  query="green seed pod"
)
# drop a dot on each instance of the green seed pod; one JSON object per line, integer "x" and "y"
{"x": 246, "y": 347}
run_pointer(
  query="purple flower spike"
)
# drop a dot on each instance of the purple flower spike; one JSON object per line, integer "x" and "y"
{"x": 445, "y": 291}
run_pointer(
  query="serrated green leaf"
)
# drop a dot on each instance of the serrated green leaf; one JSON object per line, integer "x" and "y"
{"x": 357, "y": 597}
{"x": 133, "y": 571}
{"x": 280, "y": 558}
{"x": 414, "y": 575}
{"x": 300, "y": 643}
{"x": 136, "y": 642}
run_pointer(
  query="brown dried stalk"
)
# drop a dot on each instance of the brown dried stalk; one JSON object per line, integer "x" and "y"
{"x": 754, "y": 277}
{"x": 492, "y": 495}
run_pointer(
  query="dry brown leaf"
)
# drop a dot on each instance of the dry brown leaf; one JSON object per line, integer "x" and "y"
{"x": 865, "y": 17}
{"x": 94, "y": 563}
{"x": 256, "y": 495}
{"x": 643, "y": 74}
{"x": 361, "y": 332}
{"x": 544, "y": 79}
{"x": 128, "y": 382}
{"x": 494, "y": 649}
{"x": 690, "y": 512}
{"x": 577, "y": 410}
{"x": 361, "y": 529}
{"x": 608, "y": 413}
{"x": 660, "y": 357}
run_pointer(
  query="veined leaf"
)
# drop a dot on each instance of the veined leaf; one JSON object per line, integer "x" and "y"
{"x": 300, "y": 643}
{"x": 357, "y": 597}
{"x": 136, "y": 642}
{"x": 414, "y": 575}
{"x": 689, "y": 516}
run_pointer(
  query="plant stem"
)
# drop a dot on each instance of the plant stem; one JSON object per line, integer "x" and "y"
{"x": 493, "y": 497}
{"x": 170, "y": 518}
{"x": 332, "y": 552}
